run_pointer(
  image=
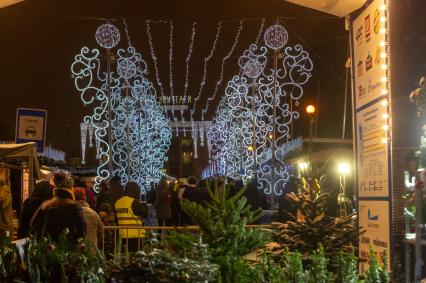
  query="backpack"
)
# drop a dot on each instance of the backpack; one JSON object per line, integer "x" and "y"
{"x": 151, "y": 219}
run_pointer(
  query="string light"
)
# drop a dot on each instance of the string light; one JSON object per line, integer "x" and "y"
{"x": 153, "y": 56}
{"x": 171, "y": 68}
{"x": 222, "y": 69}
{"x": 206, "y": 61}
{"x": 188, "y": 59}
{"x": 259, "y": 33}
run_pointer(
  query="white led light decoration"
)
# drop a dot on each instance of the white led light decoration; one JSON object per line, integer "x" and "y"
{"x": 187, "y": 61}
{"x": 256, "y": 104}
{"x": 222, "y": 70}
{"x": 206, "y": 61}
{"x": 126, "y": 68}
{"x": 130, "y": 127}
{"x": 107, "y": 36}
{"x": 154, "y": 57}
{"x": 276, "y": 37}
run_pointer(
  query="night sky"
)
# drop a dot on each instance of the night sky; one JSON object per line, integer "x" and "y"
{"x": 39, "y": 39}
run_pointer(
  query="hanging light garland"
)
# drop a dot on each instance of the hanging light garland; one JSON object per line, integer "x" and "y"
{"x": 222, "y": 69}
{"x": 188, "y": 59}
{"x": 206, "y": 61}
{"x": 154, "y": 57}
{"x": 171, "y": 27}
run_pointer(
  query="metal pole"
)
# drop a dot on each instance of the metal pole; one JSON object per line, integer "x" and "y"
{"x": 311, "y": 131}
{"x": 253, "y": 107}
{"x": 346, "y": 97}
{"x": 317, "y": 108}
{"x": 109, "y": 111}
{"x": 128, "y": 132}
{"x": 274, "y": 116}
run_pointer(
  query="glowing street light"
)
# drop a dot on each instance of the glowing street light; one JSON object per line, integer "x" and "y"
{"x": 310, "y": 109}
{"x": 303, "y": 165}
{"x": 344, "y": 168}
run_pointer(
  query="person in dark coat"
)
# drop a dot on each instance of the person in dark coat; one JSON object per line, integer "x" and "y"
{"x": 163, "y": 201}
{"x": 41, "y": 193}
{"x": 175, "y": 204}
{"x": 104, "y": 196}
{"x": 253, "y": 196}
{"x": 61, "y": 214}
{"x": 116, "y": 189}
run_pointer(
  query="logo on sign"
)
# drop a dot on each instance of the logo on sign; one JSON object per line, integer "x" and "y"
{"x": 376, "y": 21}
{"x": 358, "y": 35}
{"x": 367, "y": 28}
{"x": 368, "y": 62}
{"x": 372, "y": 217}
{"x": 361, "y": 91}
{"x": 377, "y": 55}
{"x": 30, "y": 132}
{"x": 360, "y": 68}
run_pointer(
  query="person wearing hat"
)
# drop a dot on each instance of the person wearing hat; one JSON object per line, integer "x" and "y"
{"x": 61, "y": 214}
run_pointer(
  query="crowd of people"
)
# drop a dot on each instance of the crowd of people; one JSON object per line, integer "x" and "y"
{"x": 70, "y": 205}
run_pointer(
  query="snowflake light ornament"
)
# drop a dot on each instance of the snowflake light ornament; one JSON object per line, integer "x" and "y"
{"x": 126, "y": 68}
{"x": 276, "y": 37}
{"x": 107, "y": 36}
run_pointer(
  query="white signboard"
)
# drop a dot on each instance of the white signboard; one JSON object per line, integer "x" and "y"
{"x": 369, "y": 54}
{"x": 370, "y": 64}
{"x": 374, "y": 217}
{"x": 372, "y": 151}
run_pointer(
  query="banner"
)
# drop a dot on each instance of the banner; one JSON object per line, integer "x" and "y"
{"x": 372, "y": 152}
{"x": 374, "y": 217}
{"x": 372, "y": 124}
{"x": 31, "y": 127}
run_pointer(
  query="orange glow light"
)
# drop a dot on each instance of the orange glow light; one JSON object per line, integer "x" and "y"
{"x": 310, "y": 109}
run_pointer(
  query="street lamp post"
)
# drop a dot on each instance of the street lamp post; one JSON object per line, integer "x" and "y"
{"x": 344, "y": 169}
{"x": 310, "y": 110}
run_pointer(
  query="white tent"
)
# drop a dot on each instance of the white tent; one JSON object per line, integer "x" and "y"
{"x": 338, "y": 8}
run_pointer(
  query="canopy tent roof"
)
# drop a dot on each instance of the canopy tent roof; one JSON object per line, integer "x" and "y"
{"x": 338, "y": 8}
{"x": 5, "y": 3}
{"x": 28, "y": 150}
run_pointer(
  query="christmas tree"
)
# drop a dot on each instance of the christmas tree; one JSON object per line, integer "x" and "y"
{"x": 222, "y": 223}
{"x": 311, "y": 227}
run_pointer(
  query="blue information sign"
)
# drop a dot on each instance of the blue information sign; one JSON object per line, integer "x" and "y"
{"x": 31, "y": 126}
